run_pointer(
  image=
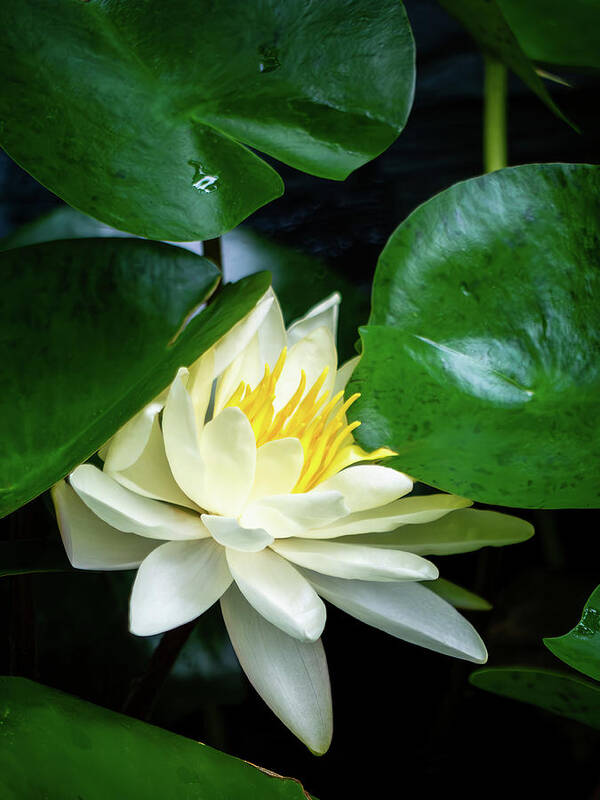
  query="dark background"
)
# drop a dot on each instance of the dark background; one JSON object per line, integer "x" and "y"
{"x": 406, "y": 720}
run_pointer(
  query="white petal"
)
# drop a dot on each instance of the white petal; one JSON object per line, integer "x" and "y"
{"x": 247, "y": 367}
{"x": 324, "y": 314}
{"x": 278, "y": 467}
{"x": 311, "y": 354}
{"x": 290, "y": 676}
{"x": 181, "y": 439}
{"x": 228, "y": 532}
{"x": 199, "y": 385}
{"x": 175, "y": 584}
{"x": 89, "y": 542}
{"x": 356, "y": 561}
{"x": 130, "y": 512}
{"x": 406, "y": 610}
{"x": 278, "y": 592}
{"x": 461, "y": 532}
{"x": 344, "y": 374}
{"x": 293, "y": 514}
{"x": 406, "y": 511}
{"x": 368, "y": 486}
{"x": 235, "y": 340}
{"x": 271, "y": 333}
{"x": 150, "y": 474}
{"x": 228, "y": 449}
{"x": 129, "y": 442}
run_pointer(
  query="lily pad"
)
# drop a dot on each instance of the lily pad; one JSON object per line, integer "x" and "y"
{"x": 141, "y": 113}
{"x": 480, "y": 362}
{"x": 555, "y": 32}
{"x": 56, "y": 746}
{"x": 580, "y": 648}
{"x": 92, "y": 337}
{"x": 299, "y": 279}
{"x": 488, "y": 26}
{"x": 557, "y": 692}
{"x": 25, "y": 556}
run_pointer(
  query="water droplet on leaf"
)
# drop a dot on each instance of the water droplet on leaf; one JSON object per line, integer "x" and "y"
{"x": 202, "y": 181}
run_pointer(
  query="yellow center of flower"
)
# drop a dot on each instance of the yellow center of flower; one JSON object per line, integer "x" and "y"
{"x": 314, "y": 417}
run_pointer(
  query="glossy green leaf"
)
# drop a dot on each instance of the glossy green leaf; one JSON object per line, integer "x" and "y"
{"x": 557, "y": 692}
{"x": 458, "y": 596}
{"x": 300, "y": 280}
{"x": 580, "y": 648}
{"x": 480, "y": 365}
{"x": 487, "y": 25}
{"x": 556, "y": 32}
{"x": 23, "y": 556}
{"x": 91, "y": 338}
{"x": 140, "y": 113}
{"x": 57, "y": 746}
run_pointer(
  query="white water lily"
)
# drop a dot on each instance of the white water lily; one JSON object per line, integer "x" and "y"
{"x": 243, "y": 483}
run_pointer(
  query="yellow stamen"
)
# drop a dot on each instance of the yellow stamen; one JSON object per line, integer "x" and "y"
{"x": 313, "y": 417}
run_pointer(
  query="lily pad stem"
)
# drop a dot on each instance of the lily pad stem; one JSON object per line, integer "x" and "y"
{"x": 144, "y": 690}
{"x": 212, "y": 248}
{"x": 494, "y": 115}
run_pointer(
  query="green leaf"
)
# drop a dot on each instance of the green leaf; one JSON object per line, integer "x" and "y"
{"x": 24, "y": 556}
{"x": 557, "y": 692}
{"x": 90, "y": 339}
{"x": 458, "y": 596}
{"x": 300, "y": 280}
{"x": 141, "y": 113}
{"x": 480, "y": 364}
{"x": 580, "y": 648}
{"x": 556, "y": 32}
{"x": 485, "y": 22}
{"x": 57, "y": 746}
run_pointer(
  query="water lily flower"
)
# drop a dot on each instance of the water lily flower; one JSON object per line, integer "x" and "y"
{"x": 243, "y": 483}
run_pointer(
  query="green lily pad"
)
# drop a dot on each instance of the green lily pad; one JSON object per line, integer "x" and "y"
{"x": 57, "y": 746}
{"x": 557, "y": 692}
{"x": 555, "y": 32}
{"x": 24, "y": 556}
{"x": 141, "y": 113}
{"x": 480, "y": 363}
{"x": 92, "y": 337}
{"x": 580, "y": 648}
{"x": 300, "y": 280}
{"x": 488, "y": 26}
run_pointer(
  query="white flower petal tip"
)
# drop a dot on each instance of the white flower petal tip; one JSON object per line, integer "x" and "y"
{"x": 406, "y": 610}
{"x": 415, "y": 510}
{"x": 130, "y": 512}
{"x": 324, "y": 314}
{"x": 89, "y": 542}
{"x": 175, "y": 584}
{"x": 462, "y": 531}
{"x": 291, "y": 676}
{"x": 356, "y": 561}
{"x": 367, "y": 486}
{"x": 278, "y": 592}
{"x": 229, "y": 533}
